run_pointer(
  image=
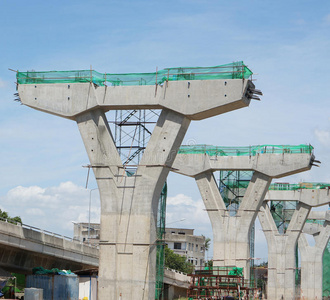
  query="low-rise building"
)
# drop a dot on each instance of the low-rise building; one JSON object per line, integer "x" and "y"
{"x": 185, "y": 243}
{"x": 88, "y": 233}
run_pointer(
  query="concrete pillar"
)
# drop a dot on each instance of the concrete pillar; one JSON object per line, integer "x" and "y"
{"x": 231, "y": 233}
{"x": 231, "y": 245}
{"x": 129, "y": 204}
{"x": 281, "y": 248}
{"x": 281, "y": 251}
{"x": 312, "y": 261}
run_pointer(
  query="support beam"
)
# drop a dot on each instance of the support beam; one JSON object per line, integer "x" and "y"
{"x": 312, "y": 259}
{"x": 197, "y": 99}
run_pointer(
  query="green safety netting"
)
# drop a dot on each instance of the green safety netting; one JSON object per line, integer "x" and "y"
{"x": 236, "y": 70}
{"x": 326, "y": 263}
{"x": 54, "y": 271}
{"x": 236, "y": 271}
{"x": 160, "y": 254}
{"x": 280, "y": 186}
{"x": 319, "y": 222}
{"x": 244, "y": 151}
{"x": 326, "y": 272}
{"x": 298, "y": 186}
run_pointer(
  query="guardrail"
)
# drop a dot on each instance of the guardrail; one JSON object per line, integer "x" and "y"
{"x": 57, "y": 235}
{"x": 245, "y": 151}
{"x": 175, "y": 271}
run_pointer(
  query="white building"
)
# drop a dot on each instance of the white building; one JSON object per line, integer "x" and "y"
{"x": 185, "y": 243}
{"x": 87, "y": 233}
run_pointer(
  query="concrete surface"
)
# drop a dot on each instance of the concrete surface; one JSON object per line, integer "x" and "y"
{"x": 312, "y": 258}
{"x": 129, "y": 204}
{"x": 22, "y": 249}
{"x": 231, "y": 233}
{"x": 282, "y": 247}
{"x": 196, "y": 99}
{"x": 176, "y": 284}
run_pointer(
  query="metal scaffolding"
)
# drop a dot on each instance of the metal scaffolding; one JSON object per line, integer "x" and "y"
{"x": 132, "y": 131}
{"x": 232, "y": 186}
{"x": 220, "y": 283}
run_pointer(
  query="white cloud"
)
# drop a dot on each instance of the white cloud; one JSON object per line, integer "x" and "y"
{"x": 180, "y": 199}
{"x": 323, "y": 136}
{"x": 2, "y": 83}
{"x": 182, "y": 206}
{"x": 194, "y": 214}
{"x": 53, "y": 208}
{"x": 35, "y": 212}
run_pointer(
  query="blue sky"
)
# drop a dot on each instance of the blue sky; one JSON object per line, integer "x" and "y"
{"x": 286, "y": 43}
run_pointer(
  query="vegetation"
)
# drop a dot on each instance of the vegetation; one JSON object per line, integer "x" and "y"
{"x": 207, "y": 243}
{"x": 209, "y": 264}
{"x": 5, "y": 217}
{"x": 16, "y": 284}
{"x": 177, "y": 262}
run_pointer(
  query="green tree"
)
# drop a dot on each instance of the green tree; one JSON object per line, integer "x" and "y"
{"x": 177, "y": 262}
{"x": 4, "y": 216}
{"x": 209, "y": 264}
{"x": 15, "y": 220}
{"x": 207, "y": 244}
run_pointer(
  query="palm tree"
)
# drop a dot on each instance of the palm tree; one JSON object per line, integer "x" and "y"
{"x": 207, "y": 244}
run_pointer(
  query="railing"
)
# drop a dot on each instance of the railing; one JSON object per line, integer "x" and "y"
{"x": 60, "y": 236}
{"x": 245, "y": 151}
{"x": 175, "y": 271}
{"x": 236, "y": 70}
{"x": 298, "y": 186}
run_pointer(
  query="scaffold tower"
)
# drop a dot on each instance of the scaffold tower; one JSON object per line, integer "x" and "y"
{"x": 232, "y": 186}
{"x": 133, "y": 129}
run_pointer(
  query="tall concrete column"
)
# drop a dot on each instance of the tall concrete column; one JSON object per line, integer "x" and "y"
{"x": 231, "y": 233}
{"x": 281, "y": 251}
{"x": 129, "y": 203}
{"x": 281, "y": 248}
{"x": 128, "y": 224}
{"x": 231, "y": 245}
{"x": 312, "y": 259}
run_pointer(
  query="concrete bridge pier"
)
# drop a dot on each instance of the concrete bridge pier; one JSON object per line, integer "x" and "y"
{"x": 282, "y": 247}
{"x": 129, "y": 203}
{"x": 312, "y": 256}
{"x": 231, "y": 245}
{"x": 281, "y": 251}
{"x": 231, "y": 233}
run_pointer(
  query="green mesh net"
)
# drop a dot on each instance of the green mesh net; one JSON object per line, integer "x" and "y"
{"x": 244, "y": 151}
{"x": 326, "y": 272}
{"x": 160, "y": 255}
{"x": 236, "y": 70}
{"x": 298, "y": 186}
{"x": 326, "y": 263}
